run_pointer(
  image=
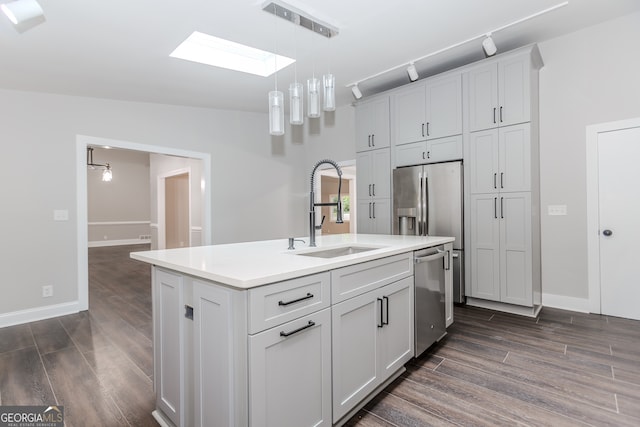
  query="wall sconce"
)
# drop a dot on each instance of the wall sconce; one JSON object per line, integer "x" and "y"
{"x": 20, "y": 11}
{"x": 107, "y": 173}
{"x": 413, "y": 73}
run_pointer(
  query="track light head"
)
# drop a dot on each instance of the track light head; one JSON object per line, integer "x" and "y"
{"x": 413, "y": 73}
{"x": 20, "y": 11}
{"x": 489, "y": 46}
{"x": 356, "y": 91}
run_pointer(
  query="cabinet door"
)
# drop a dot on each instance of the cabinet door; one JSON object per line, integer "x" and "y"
{"x": 381, "y": 215}
{"x": 443, "y": 149}
{"x": 514, "y": 90}
{"x": 290, "y": 373}
{"x": 168, "y": 345}
{"x": 381, "y": 136}
{"x": 515, "y": 158}
{"x": 365, "y": 221}
{"x": 485, "y": 247}
{"x": 409, "y": 106}
{"x": 395, "y": 342}
{"x": 411, "y": 154}
{"x": 515, "y": 249}
{"x": 372, "y": 124}
{"x": 214, "y": 360}
{"x": 444, "y": 106}
{"x": 483, "y": 97}
{"x": 381, "y": 173}
{"x": 354, "y": 325}
{"x": 364, "y": 173}
{"x": 484, "y": 161}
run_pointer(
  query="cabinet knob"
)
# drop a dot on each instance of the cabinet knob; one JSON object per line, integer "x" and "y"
{"x": 607, "y": 233}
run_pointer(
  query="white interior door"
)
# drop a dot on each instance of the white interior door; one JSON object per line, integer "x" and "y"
{"x": 619, "y": 211}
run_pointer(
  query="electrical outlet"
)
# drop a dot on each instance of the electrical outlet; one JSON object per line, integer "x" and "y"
{"x": 47, "y": 291}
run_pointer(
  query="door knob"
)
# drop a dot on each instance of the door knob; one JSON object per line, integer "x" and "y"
{"x": 607, "y": 233}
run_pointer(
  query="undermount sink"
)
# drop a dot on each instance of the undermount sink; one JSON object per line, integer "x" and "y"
{"x": 336, "y": 252}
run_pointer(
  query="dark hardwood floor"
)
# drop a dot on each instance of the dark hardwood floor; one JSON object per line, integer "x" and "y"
{"x": 561, "y": 369}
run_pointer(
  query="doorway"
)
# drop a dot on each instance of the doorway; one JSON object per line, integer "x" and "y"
{"x": 613, "y": 203}
{"x": 177, "y": 206}
{"x": 327, "y": 188}
{"x": 82, "y": 142}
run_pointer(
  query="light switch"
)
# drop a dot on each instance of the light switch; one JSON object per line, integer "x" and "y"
{"x": 61, "y": 215}
{"x": 557, "y": 209}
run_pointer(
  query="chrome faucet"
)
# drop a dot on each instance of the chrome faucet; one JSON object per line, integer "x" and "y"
{"x": 313, "y": 204}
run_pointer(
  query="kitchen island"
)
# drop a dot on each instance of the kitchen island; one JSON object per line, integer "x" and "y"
{"x": 257, "y": 334}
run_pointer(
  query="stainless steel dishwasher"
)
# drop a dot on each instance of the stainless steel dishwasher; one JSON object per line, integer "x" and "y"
{"x": 430, "y": 265}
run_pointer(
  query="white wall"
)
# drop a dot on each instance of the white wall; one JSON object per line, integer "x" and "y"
{"x": 123, "y": 200}
{"x": 258, "y": 189}
{"x": 591, "y": 76}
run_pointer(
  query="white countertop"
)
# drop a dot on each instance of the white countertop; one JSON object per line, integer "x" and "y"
{"x": 250, "y": 264}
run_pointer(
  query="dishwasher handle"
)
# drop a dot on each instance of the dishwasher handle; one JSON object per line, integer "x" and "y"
{"x": 428, "y": 258}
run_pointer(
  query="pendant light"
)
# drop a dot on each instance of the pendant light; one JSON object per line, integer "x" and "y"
{"x": 20, "y": 11}
{"x": 276, "y": 98}
{"x": 296, "y": 91}
{"x": 313, "y": 89}
{"x": 329, "y": 86}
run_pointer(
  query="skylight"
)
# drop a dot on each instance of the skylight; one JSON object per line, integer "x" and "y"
{"x": 210, "y": 50}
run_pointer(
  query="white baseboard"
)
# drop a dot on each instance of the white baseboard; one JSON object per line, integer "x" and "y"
{"x": 566, "y": 303}
{"x": 101, "y": 243}
{"x": 39, "y": 313}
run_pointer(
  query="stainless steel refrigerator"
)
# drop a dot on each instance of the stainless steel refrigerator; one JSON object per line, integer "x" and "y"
{"x": 427, "y": 200}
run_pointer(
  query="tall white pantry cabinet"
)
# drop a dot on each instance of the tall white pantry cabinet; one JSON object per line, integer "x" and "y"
{"x": 502, "y": 161}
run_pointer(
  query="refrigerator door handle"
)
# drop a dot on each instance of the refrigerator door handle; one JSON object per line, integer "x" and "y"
{"x": 419, "y": 216}
{"x": 425, "y": 202}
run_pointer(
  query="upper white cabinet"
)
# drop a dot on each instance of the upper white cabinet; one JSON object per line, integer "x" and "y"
{"x": 372, "y": 124}
{"x": 431, "y": 151}
{"x": 500, "y": 159}
{"x": 500, "y": 91}
{"x": 428, "y": 110}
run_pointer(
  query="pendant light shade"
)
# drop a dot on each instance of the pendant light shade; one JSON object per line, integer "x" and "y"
{"x": 313, "y": 97}
{"x": 329, "y": 100}
{"x": 276, "y": 113}
{"x": 107, "y": 175}
{"x": 296, "y": 104}
{"x": 20, "y": 11}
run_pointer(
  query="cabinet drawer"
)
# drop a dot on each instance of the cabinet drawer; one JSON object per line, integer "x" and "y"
{"x": 281, "y": 302}
{"x": 354, "y": 280}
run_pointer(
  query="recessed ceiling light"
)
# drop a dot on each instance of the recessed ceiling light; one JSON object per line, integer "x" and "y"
{"x": 210, "y": 50}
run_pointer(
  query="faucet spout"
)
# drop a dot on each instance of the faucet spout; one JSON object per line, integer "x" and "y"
{"x": 313, "y": 204}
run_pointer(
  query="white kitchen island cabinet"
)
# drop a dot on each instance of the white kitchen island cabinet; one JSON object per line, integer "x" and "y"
{"x": 249, "y": 335}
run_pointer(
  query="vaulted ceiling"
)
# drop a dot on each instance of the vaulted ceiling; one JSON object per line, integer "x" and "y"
{"x": 120, "y": 48}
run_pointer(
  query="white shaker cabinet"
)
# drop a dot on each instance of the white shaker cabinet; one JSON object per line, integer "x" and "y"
{"x": 372, "y": 338}
{"x": 429, "y": 109}
{"x": 372, "y": 124}
{"x": 290, "y": 373}
{"x": 500, "y": 91}
{"x": 431, "y": 151}
{"x": 500, "y": 159}
{"x": 501, "y": 248}
{"x": 373, "y": 169}
{"x": 169, "y": 352}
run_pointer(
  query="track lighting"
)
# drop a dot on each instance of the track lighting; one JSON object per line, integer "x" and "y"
{"x": 413, "y": 73}
{"x": 20, "y": 11}
{"x": 356, "y": 91}
{"x": 489, "y": 46}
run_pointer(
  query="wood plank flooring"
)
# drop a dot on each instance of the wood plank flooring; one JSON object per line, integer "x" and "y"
{"x": 493, "y": 369}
